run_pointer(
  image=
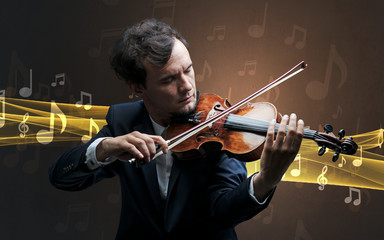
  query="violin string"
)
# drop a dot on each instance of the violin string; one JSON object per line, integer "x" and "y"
{"x": 257, "y": 125}
{"x": 189, "y": 133}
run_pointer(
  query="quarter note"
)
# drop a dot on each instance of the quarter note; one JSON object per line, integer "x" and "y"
{"x": 46, "y": 136}
{"x": 27, "y": 91}
{"x": 257, "y": 30}
{"x": 358, "y": 162}
{"x": 297, "y": 171}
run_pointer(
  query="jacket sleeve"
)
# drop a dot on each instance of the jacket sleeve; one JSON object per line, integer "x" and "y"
{"x": 69, "y": 172}
{"x": 230, "y": 200}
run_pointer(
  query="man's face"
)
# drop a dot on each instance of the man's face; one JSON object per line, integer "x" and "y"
{"x": 170, "y": 90}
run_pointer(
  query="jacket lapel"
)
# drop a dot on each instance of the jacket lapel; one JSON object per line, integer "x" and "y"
{"x": 149, "y": 169}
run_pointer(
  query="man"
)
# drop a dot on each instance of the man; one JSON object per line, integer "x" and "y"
{"x": 168, "y": 198}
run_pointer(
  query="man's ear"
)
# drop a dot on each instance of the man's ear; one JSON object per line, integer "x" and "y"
{"x": 136, "y": 89}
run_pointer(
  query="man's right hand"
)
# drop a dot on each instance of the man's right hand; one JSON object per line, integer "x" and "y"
{"x": 133, "y": 145}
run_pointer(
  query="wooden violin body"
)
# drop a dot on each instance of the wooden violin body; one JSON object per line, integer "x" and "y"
{"x": 242, "y": 132}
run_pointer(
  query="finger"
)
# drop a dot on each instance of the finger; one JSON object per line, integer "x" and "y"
{"x": 270, "y": 134}
{"x": 161, "y": 143}
{"x": 281, "y": 131}
{"x": 299, "y": 135}
{"x": 145, "y": 145}
{"x": 291, "y": 134}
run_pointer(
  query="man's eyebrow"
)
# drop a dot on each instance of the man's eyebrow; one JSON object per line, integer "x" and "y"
{"x": 172, "y": 75}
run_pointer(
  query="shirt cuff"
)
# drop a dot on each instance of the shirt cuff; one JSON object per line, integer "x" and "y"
{"x": 252, "y": 192}
{"x": 90, "y": 156}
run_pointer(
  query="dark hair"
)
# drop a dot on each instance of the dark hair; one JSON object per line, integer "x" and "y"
{"x": 149, "y": 40}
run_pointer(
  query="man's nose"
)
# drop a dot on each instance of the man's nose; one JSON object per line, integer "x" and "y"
{"x": 185, "y": 83}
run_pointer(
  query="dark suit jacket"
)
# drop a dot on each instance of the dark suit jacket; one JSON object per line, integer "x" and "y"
{"x": 206, "y": 197}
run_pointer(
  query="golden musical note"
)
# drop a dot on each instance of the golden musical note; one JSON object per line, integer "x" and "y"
{"x": 27, "y": 91}
{"x": 58, "y": 76}
{"x": 318, "y": 90}
{"x": 218, "y": 31}
{"x": 297, "y": 171}
{"x": 257, "y": 30}
{"x": 343, "y": 162}
{"x": 300, "y": 43}
{"x": 201, "y": 77}
{"x": 23, "y": 128}
{"x": 380, "y": 138}
{"x": 2, "y": 100}
{"x": 46, "y": 136}
{"x": 92, "y": 124}
{"x": 321, "y": 179}
{"x": 357, "y": 201}
{"x": 81, "y": 102}
{"x": 358, "y": 162}
{"x": 251, "y": 65}
{"x": 164, "y": 10}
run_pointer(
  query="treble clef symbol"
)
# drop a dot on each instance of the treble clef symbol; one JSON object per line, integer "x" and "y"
{"x": 321, "y": 179}
{"x": 23, "y": 128}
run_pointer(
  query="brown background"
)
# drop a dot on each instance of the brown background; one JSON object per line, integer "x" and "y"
{"x": 342, "y": 42}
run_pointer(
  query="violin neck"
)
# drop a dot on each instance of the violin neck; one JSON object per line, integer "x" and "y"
{"x": 246, "y": 124}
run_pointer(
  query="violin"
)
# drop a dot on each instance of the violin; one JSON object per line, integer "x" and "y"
{"x": 240, "y": 129}
{"x": 242, "y": 132}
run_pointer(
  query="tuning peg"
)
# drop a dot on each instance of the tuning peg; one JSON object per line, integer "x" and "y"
{"x": 322, "y": 150}
{"x": 328, "y": 128}
{"x": 341, "y": 134}
{"x": 335, "y": 156}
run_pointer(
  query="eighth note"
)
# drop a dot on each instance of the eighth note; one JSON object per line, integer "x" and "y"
{"x": 46, "y": 136}
{"x": 218, "y": 31}
{"x": 318, "y": 90}
{"x": 57, "y": 77}
{"x": 201, "y": 77}
{"x": 81, "y": 102}
{"x": 343, "y": 162}
{"x": 301, "y": 43}
{"x": 251, "y": 65}
{"x": 348, "y": 199}
{"x": 92, "y": 124}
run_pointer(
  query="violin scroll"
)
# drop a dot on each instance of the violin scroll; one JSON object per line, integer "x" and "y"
{"x": 339, "y": 145}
